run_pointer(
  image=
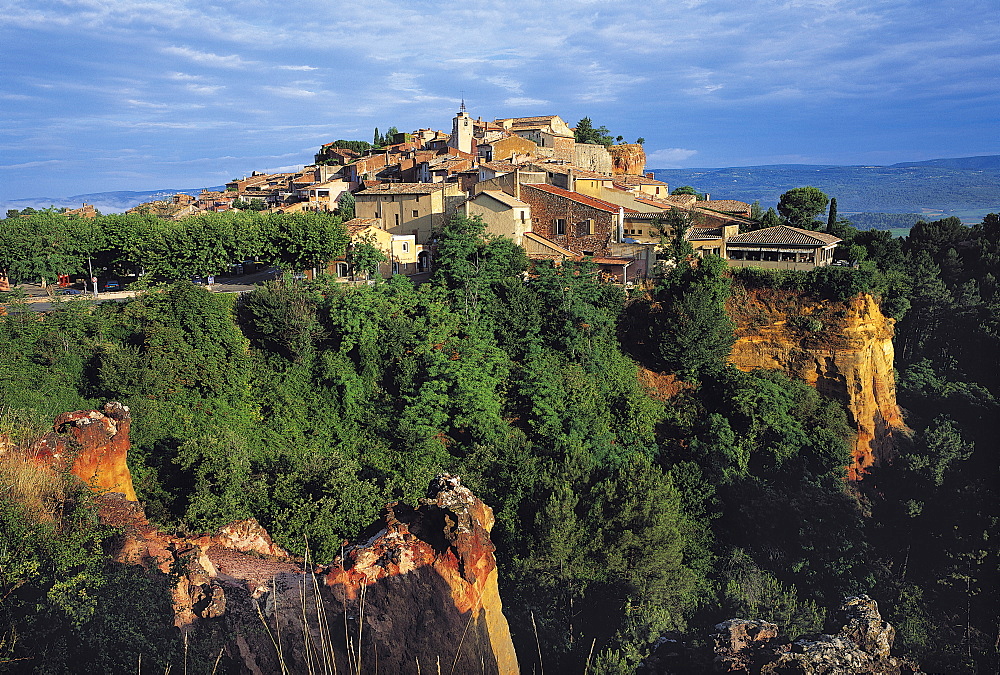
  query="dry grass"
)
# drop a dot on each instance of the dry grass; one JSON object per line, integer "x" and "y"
{"x": 23, "y": 479}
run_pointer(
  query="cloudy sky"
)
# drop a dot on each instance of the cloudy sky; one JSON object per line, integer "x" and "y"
{"x": 101, "y": 95}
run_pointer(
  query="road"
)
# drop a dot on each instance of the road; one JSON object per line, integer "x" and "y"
{"x": 38, "y": 299}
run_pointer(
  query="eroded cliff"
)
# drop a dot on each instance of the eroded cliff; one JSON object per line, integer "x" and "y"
{"x": 843, "y": 349}
{"x": 418, "y": 593}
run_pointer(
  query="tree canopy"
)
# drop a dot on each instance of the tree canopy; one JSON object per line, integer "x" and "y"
{"x": 801, "y": 206}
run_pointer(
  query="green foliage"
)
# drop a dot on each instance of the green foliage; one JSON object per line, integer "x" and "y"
{"x": 66, "y": 607}
{"x": 800, "y": 207}
{"x": 346, "y": 205}
{"x": 366, "y": 256}
{"x": 621, "y": 513}
{"x": 586, "y": 132}
{"x": 693, "y": 332}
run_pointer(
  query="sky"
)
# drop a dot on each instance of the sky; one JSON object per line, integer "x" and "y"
{"x": 107, "y": 95}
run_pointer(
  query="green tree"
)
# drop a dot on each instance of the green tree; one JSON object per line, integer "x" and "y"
{"x": 831, "y": 219}
{"x": 366, "y": 256}
{"x": 346, "y": 205}
{"x": 299, "y": 241}
{"x": 585, "y": 132}
{"x": 692, "y": 331}
{"x": 770, "y": 218}
{"x": 685, "y": 190}
{"x": 800, "y": 207}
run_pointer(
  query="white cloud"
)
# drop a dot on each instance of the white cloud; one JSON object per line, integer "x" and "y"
{"x": 208, "y": 58}
{"x": 30, "y": 165}
{"x": 204, "y": 89}
{"x": 297, "y": 68}
{"x": 291, "y": 92}
{"x": 523, "y": 101}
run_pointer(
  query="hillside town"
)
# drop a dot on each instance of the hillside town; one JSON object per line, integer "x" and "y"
{"x": 528, "y": 179}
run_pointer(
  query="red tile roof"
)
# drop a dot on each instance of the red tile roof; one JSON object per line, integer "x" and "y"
{"x": 592, "y": 202}
{"x": 784, "y": 234}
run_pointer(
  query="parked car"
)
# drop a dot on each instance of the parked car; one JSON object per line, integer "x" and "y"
{"x": 69, "y": 291}
{"x": 112, "y": 285}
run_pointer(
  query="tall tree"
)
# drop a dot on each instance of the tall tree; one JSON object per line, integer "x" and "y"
{"x": 831, "y": 219}
{"x": 800, "y": 207}
{"x": 586, "y": 132}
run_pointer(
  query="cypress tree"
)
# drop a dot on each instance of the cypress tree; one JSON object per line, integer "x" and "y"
{"x": 831, "y": 220}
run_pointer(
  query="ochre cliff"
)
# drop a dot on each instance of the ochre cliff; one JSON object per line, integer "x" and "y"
{"x": 843, "y": 349}
{"x": 418, "y": 594}
{"x": 439, "y": 558}
{"x": 627, "y": 159}
{"x": 93, "y": 446}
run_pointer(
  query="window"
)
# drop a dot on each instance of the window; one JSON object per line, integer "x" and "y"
{"x": 406, "y": 247}
{"x": 397, "y": 219}
{"x": 416, "y": 213}
{"x": 522, "y": 216}
{"x": 560, "y": 226}
{"x": 342, "y": 270}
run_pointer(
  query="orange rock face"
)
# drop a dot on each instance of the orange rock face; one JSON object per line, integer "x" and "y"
{"x": 94, "y": 447}
{"x": 843, "y": 349}
{"x": 627, "y": 159}
{"x": 436, "y": 563}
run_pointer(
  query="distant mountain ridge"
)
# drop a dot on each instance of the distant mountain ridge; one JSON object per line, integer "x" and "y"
{"x": 105, "y": 202}
{"x": 967, "y": 187}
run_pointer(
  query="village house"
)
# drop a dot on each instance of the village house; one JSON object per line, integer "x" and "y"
{"x": 552, "y": 136}
{"x": 781, "y": 247}
{"x": 324, "y": 196}
{"x": 504, "y": 214}
{"x": 582, "y": 224}
{"x": 403, "y": 254}
{"x": 504, "y": 148}
{"x": 410, "y": 208}
{"x": 644, "y": 184}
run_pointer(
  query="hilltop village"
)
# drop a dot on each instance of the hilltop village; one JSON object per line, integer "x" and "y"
{"x": 530, "y": 180}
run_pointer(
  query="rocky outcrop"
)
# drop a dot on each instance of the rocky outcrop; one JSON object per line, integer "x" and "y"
{"x": 843, "y": 349}
{"x": 423, "y": 588}
{"x": 627, "y": 159}
{"x": 93, "y": 446}
{"x": 419, "y": 591}
{"x": 859, "y": 643}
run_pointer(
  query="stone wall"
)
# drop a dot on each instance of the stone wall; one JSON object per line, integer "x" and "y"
{"x": 547, "y": 207}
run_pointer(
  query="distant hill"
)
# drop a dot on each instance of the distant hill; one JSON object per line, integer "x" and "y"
{"x": 967, "y": 187}
{"x": 105, "y": 202}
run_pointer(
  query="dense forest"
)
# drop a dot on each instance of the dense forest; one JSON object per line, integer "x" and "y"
{"x": 624, "y": 513}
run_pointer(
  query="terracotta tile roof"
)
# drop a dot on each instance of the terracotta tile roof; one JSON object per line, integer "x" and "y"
{"x": 505, "y": 198}
{"x": 361, "y": 223}
{"x": 498, "y": 166}
{"x": 785, "y": 234}
{"x": 592, "y": 202}
{"x": 403, "y": 189}
{"x": 549, "y": 244}
{"x": 724, "y": 205}
{"x": 637, "y": 180}
{"x": 703, "y": 233}
{"x": 613, "y": 261}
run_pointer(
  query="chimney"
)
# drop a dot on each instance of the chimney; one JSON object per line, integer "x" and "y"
{"x": 650, "y": 174}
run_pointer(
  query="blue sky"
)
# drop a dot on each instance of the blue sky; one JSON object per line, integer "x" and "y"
{"x": 102, "y": 95}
